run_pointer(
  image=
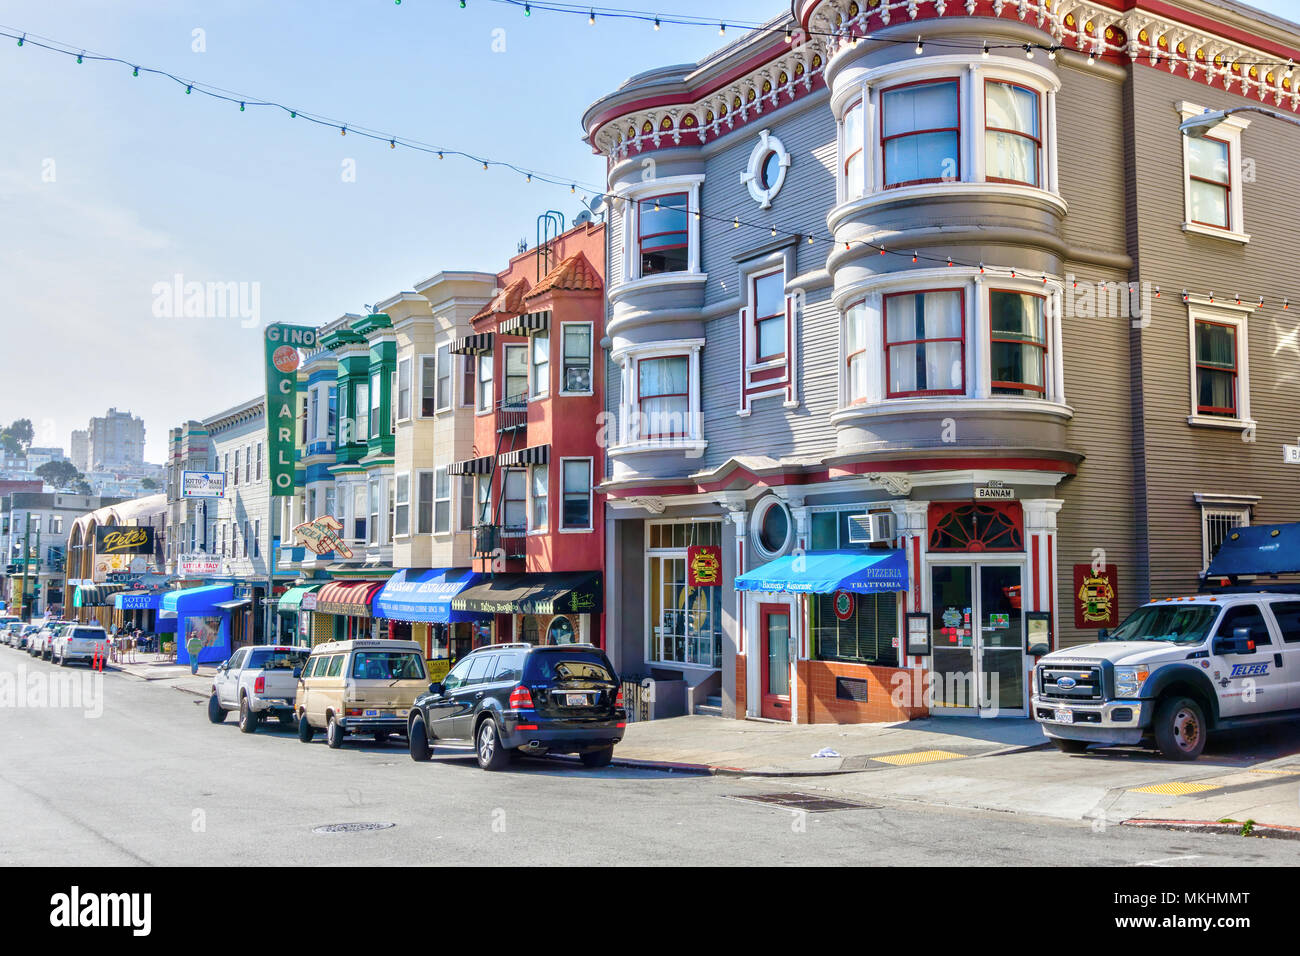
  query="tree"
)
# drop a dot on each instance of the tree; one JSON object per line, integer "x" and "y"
{"x": 148, "y": 484}
{"x": 60, "y": 474}
{"x": 17, "y": 438}
{"x": 81, "y": 486}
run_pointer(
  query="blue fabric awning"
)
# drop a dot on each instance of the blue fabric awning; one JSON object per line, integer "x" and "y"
{"x": 1258, "y": 549}
{"x": 825, "y": 572}
{"x": 188, "y": 601}
{"x": 423, "y": 595}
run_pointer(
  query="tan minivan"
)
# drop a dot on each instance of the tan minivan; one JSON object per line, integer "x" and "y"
{"x": 350, "y": 687}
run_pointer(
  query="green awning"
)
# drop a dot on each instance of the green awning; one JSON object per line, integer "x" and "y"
{"x": 291, "y": 600}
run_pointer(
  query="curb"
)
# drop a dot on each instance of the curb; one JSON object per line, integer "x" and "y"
{"x": 1277, "y": 831}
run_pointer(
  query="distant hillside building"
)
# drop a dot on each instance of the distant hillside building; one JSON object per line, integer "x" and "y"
{"x": 113, "y": 440}
{"x": 80, "y": 450}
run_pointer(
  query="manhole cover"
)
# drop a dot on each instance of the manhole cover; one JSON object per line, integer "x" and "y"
{"x": 351, "y": 827}
{"x": 808, "y": 802}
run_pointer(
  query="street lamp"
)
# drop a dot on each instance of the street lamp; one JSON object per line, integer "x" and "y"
{"x": 1198, "y": 126}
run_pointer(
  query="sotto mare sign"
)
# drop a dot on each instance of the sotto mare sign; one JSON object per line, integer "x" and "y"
{"x": 282, "y": 359}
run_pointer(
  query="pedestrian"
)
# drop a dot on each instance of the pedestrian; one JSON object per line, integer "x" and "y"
{"x": 193, "y": 646}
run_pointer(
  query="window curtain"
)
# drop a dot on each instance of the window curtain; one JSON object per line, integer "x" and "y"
{"x": 913, "y": 155}
{"x": 1019, "y": 341}
{"x": 1216, "y": 356}
{"x": 1011, "y": 150}
{"x": 663, "y": 387}
{"x": 925, "y": 366}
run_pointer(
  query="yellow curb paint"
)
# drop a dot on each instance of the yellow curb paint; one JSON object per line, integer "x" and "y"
{"x": 919, "y": 756}
{"x": 1177, "y": 788}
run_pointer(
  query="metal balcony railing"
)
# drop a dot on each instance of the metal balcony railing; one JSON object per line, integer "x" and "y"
{"x": 488, "y": 538}
{"x": 512, "y": 412}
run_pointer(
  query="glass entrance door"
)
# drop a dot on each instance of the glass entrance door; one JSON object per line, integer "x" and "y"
{"x": 977, "y": 633}
{"x": 776, "y": 661}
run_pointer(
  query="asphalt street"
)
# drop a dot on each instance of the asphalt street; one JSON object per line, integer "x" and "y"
{"x": 150, "y": 781}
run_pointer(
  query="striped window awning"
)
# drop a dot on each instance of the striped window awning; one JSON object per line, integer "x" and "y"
{"x": 471, "y": 466}
{"x": 536, "y": 455}
{"x": 348, "y": 598}
{"x": 479, "y": 344}
{"x": 530, "y": 323}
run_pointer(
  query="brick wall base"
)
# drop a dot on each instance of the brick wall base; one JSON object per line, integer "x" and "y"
{"x": 890, "y": 694}
{"x": 741, "y": 701}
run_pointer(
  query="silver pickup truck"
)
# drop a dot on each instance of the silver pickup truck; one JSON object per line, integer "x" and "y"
{"x": 257, "y": 682}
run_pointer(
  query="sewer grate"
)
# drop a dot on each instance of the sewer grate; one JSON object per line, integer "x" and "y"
{"x": 808, "y": 802}
{"x": 351, "y": 827}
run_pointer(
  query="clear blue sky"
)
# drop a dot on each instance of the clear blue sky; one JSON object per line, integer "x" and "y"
{"x": 149, "y": 182}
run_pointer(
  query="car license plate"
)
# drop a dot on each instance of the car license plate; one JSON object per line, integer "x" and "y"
{"x": 576, "y": 700}
{"x": 1064, "y": 716}
{"x": 372, "y": 713}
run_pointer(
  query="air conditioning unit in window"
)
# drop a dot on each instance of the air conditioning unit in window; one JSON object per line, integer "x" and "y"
{"x": 871, "y": 528}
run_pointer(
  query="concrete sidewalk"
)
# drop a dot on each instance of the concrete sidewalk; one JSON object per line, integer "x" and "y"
{"x": 154, "y": 667}
{"x": 1262, "y": 800}
{"x": 762, "y": 748}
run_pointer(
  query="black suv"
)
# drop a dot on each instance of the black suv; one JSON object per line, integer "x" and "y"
{"x": 520, "y": 698}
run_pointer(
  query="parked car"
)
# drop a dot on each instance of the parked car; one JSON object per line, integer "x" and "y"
{"x": 521, "y": 698}
{"x": 352, "y": 687}
{"x": 258, "y": 682}
{"x": 38, "y": 641}
{"x": 7, "y": 633}
{"x": 1174, "y": 671}
{"x": 79, "y": 642}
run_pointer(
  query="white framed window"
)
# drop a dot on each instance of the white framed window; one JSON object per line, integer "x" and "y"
{"x": 359, "y": 514}
{"x": 576, "y": 494}
{"x": 484, "y": 383}
{"x": 661, "y": 236}
{"x": 540, "y": 360}
{"x": 767, "y": 300}
{"x": 925, "y": 343}
{"x": 372, "y": 526}
{"x": 575, "y": 370}
{"x": 1212, "y": 202}
{"x": 428, "y": 385}
{"x": 468, "y": 373}
{"x": 466, "y": 502}
{"x": 1013, "y": 139}
{"x": 853, "y": 150}
{"x": 920, "y": 132}
{"x": 857, "y": 361}
{"x": 514, "y": 501}
{"x": 773, "y": 527}
{"x": 441, "y": 501}
{"x": 1220, "y": 515}
{"x": 257, "y": 538}
{"x": 1017, "y": 343}
{"x": 1219, "y": 365}
{"x": 360, "y": 412}
{"x": 402, "y": 506}
{"x": 424, "y": 502}
{"x": 376, "y": 406}
{"x": 392, "y": 400}
{"x": 514, "y": 386}
{"x": 663, "y": 396}
{"x": 313, "y": 414}
{"x": 445, "y": 368}
{"x": 539, "y": 493}
{"x": 660, "y": 399}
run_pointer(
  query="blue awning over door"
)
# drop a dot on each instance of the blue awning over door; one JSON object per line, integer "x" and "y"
{"x": 825, "y": 572}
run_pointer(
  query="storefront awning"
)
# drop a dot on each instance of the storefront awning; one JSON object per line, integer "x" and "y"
{"x": 96, "y": 595}
{"x": 424, "y": 596}
{"x": 480, "y": 344}
{"x": 530, "y": 323}
{"x": 825, "y": 572}
{"x": 291, "y": 600}
{"x": 472, "y": 466}
{"x": 195, "y": 602}
{"x": 137, "y": 600}
{"x": 1258, "y": 549}
{"x": 349, "y": 598}
{"x": 234, "y": 604}
{"x": 573, "y": 592}
{"x": 534, "y": 455}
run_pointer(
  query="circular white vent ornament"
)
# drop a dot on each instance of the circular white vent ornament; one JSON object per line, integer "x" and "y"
{"x": 767, "y": 167}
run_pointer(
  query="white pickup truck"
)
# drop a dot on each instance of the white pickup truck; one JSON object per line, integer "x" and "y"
{"x": 257, "y": 682}
{"x": 1181, "y": 667}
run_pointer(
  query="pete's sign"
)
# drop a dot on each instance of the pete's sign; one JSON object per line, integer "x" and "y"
{"x": 123, "y": 540}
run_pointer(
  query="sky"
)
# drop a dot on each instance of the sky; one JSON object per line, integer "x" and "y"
{"x": 113, "y": 186}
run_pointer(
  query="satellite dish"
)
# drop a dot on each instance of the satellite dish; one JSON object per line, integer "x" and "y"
{"x": 582, "y": 218}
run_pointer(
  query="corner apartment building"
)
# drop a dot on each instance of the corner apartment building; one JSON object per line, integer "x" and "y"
{"x": 38, "y": 523}
{"x": 883, "y": 413}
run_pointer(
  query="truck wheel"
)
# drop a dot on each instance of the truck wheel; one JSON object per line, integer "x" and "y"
{"x": 491, "y": 755}
{"x": 597, "y": 758}
{"x": 305, "y": 730}
{"x": 216, "y": 713}
{"x": 334, "y": 733}
{"x": 1180, "y": 728}
{"x": 417, "y": 740}
{"x": 1071, "y": 746}
{"x": 248, "y": 720}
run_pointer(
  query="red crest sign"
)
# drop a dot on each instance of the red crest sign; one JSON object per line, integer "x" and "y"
{"x": 1096, "y": 596}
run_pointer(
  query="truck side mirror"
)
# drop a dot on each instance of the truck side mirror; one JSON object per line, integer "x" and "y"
{"x": 1103, "y": 634}
{"x": 1239, "y": 643}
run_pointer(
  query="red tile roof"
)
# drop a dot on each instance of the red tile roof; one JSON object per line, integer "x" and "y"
{"x": 509, "y": 300}
{"x": 576, "y": 273}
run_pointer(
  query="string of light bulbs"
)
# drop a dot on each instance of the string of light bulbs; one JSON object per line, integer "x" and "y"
{"x": 394, "y": 141}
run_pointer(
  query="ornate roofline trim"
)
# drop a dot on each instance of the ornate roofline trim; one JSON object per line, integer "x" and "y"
{"x": 1142, "y": 36}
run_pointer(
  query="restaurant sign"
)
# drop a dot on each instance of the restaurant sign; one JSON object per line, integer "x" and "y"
{"x": 704, "y": 566}
{"x": 116, "y": 540}
{"x": 203, "y": 484}
{"x": 198, "y": 565}
{"x": 282, "y": 361}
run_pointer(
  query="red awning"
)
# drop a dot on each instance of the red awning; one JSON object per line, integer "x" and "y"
{"x": 351, "y": 598}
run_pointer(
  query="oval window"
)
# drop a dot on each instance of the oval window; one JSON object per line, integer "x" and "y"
{"x": 770, "y": 170}
{"x": 773, "y": 528}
